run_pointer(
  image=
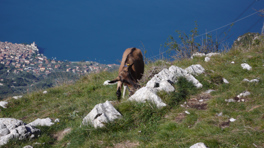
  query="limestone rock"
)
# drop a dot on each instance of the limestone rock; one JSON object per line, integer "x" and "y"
{"x": 197, "y": 54}
{"x": 209, "y": 91}
{"x": 246, "y": 66}
{"x": 28, "y": 146}
{"x": 179, "y": 72}
{"x": 100, "y": 114}
{"x": 212, "y": 54}
{"x": 251, "y": 81}
{"x": 230, "y": 100}
{"x": 147, "y": 94}
{"x": 164, "y": 85}
{"x": 243, "y": 94}
{"x": 195, "y": 69}
{"x": 207, "y": 59}
{"x": 42, "y": 122}
{"x": 198, "y": 145}
{"x": 17, "y": 97}
{"x": 225, "y": 81}
{"x": 11, "y": 128}
{"x": 232, "y": 120}
{"x": 3, "y": 104}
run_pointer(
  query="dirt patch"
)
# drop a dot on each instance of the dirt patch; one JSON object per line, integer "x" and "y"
{"x": 60, "y": 135}
{"x": 198, "y": 102}
{"x": 204, "y": 96}
{"x": 194, "y": 103}
{"x": 126, "y": 144}
{"x": 180, "y": 117}
{"x": 224, "y": 124}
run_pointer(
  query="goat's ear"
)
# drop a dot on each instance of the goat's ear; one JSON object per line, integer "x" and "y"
{"x": 114, "y": 81}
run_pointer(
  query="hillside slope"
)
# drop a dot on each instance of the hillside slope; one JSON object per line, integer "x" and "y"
{"x": 185, "y": 120}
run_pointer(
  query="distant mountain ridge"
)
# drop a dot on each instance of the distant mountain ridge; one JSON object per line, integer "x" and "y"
{"x": 23, "y": 69}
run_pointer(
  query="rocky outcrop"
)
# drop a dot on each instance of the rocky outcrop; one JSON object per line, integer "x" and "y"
{"x": 163, "y": 82}
{"x": 147, "y": 94}
{"x": 172, "y": 74}
{"x": 102, "y": 113}
{"x": 11, "y": 128}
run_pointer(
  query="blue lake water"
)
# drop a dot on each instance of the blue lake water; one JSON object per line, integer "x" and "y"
{"x": 101, "y": 30}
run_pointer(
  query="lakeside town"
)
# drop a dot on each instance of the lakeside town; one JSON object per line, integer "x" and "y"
{"x": 23, "y": 67}
{"x": 27, "y": 58}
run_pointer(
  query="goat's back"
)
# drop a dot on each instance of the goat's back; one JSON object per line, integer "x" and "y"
{"x": 133, "y": 56}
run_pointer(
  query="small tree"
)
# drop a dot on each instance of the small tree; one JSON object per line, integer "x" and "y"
{"x": 188, "y": 44}
{"x": 209, "y": 44}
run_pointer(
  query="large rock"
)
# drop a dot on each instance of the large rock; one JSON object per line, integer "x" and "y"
{"x": 147, "y": 94}
{"x": 162, "y": 82}
{"x": 164, "y": 85}
{"x": 102, "y": 113}
{"x": 11, "y": 128}
{"x": 172, "y": 74}
{"x": 179, "y": 72}
{"x": 165, "y": 74}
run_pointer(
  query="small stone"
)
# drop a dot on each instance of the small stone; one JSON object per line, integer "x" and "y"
{"x": 246, "y": 66}
{"x": 206, "y": 59}
{"x": 57, "y": 120}
{"x": 3, "y": 104}
{"x": 42, "y": 122}
{"x": 251, "y": 81}
{"x": 28, "y": 146}
{"x": 209, "y": 91}
{"x": 244, "y": 94}
{"x": 220, "y": 114}
{"x": 230, "y": 100}
{"x": 17, "y": 97}
{"x": 198, "y": 145}
{"x": 225, "y": 81}
{"x": 232, "y": 120}
{"x": 187, "y": 112}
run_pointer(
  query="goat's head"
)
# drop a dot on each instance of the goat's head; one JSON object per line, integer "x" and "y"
{"x": 125, "y": 78}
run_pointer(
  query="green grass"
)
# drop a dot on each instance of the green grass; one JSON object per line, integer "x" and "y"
{"x": 143, "y": 124}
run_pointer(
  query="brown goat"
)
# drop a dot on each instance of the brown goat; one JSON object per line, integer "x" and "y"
{"x": 130, "y": 71}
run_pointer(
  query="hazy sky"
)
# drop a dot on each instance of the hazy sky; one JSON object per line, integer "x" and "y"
{"x": 101, "y": 30}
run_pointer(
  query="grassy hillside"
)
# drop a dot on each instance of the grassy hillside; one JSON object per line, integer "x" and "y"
{"x": 143, "y": 125}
